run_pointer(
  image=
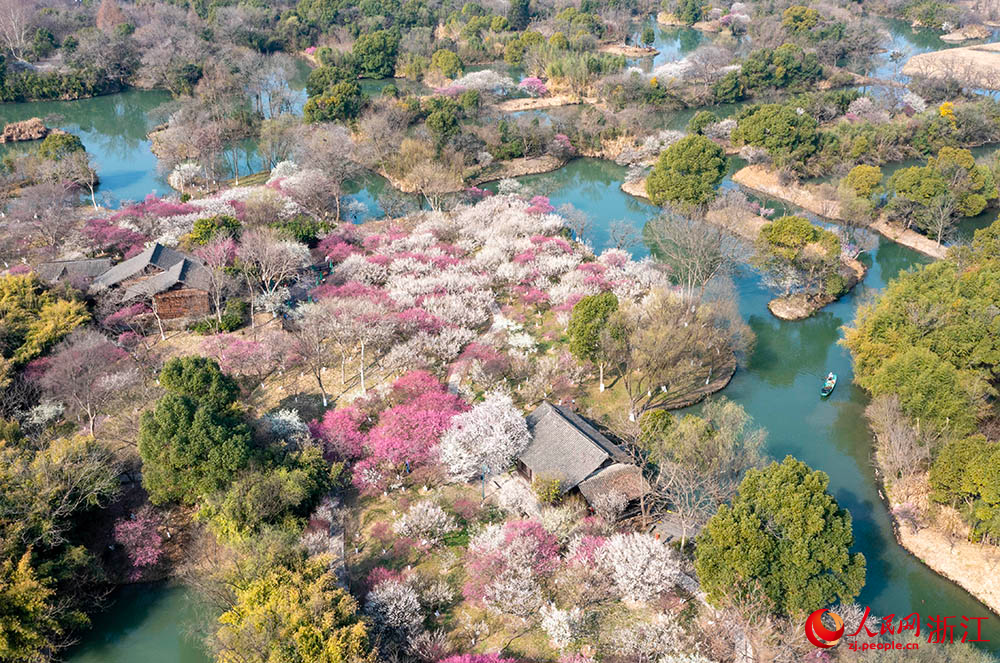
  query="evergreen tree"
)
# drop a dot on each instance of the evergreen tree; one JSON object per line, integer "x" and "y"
{"x": 785, "y": 535}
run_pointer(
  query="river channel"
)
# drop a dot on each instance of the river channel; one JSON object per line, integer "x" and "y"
{"x": 778, "y": 385}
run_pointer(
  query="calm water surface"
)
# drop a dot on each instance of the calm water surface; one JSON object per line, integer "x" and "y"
{"x": 778, "y": 387}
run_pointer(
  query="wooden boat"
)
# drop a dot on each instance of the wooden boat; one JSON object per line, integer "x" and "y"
{"x": 828, "y": 385}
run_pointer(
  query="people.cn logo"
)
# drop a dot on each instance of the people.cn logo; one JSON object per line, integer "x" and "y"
{"x": 820, "y": 635}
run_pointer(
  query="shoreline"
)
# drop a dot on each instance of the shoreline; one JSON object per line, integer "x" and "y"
{"x": 763, "y": 180}
{"x": 959, "y": 561}
{"x": 748, "y": 226}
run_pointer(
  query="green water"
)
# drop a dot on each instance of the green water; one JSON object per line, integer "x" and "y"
{"x": 778, "y": 386}
{"x": 148, "y": 623}
{"x": 113, "y": 128}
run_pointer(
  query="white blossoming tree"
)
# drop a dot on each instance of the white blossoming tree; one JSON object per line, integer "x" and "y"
{"x": 640, "y": 567}
{"x": 490, "y": 436}
{"x": 425, "y": 521}
{"x": 562, "y": 626}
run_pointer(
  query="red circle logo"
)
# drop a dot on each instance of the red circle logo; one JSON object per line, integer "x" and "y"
{"x": 820, "y": 635}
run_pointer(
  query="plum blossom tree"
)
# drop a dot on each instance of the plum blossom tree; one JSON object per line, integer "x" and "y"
{"x": 407, "y": 434}
{"x": 87, "y": 372}
{"x": 268, "y": 260}
{"x": 425, "y": 521}
{"x": 562, "y": 626}
{"x": 217, "y": 257}
{"x": 251, "y": 360}
{"x": 395, "y": 608}
{"x": 340, "y": 433}
{"x": 140, "y": 538}
{"x": 489, "y": 436}
{"x": 639, "y": 566}
{"x": 507, "y": 566}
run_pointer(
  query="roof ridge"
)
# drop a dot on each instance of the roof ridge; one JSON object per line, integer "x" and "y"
{"x": 568, "y": 418}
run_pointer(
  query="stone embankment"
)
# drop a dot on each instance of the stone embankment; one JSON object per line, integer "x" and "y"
{"x": 30, "y": 129}
{"x": 764, "y": 180}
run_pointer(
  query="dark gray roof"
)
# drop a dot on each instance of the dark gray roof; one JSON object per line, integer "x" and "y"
{"x": 175, "y": 267}
{"x": 565, "y": 447}
{"x": 72, "y": 269}
{"x": 624, "y": 478}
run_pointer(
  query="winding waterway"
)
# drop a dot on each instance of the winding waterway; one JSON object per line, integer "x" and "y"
{"x": 778, "y": 386}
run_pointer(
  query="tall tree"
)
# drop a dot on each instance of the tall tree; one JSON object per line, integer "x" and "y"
{"x": 695, "y": 251}
{"x": 193, "y": 442}
{"x": 109, "y": 15}
{"x": 87, "y": 372}
{"x": 16, "y": 18}
{"x": 785, "y": 533}
{"x": 687, "y": 172}
{"x": 586, "y": 327}
{"x": 695, "y": 463}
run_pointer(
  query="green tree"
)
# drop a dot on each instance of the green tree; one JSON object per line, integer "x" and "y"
{"x": 32, "y": 319}
{"x": 785, "y": 534}
{"x": 207, "y": 229}
{"x": 194, "y": 442}
{"x": 443, "y": 124}
{"x": 689, "y": 11}
{"x": 323, "y": 78}
{"x": 931, "y": 390}
{"x": 376, "y": 53}
{"x": 799, "y": 19}
{"x": 28, "y": 630}
{"x": 279, "y": 497}
{"x": 728, "y": 89}
{"x": 447, "y": 62}
{"x": 700, "y": 120}
{"x": 518, "y": 15}
{"x": 201, "y": 379}
{"x": 808, "y": 257}
{"x": 865, "y": 181}
{"x": 294, "y": 615}
{"x": 648, "y": 35}
{"x": 787, "y": 135}
{"x": 586, "y": 326}
{"x": 342, "y": 101}
{"x": 688, "y": 172}
{"x": 57, "y": 145}
{"x": 190, "y": 450}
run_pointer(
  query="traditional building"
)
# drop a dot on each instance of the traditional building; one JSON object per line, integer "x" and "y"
{"x": 565, "y": 447}
{"x": 78, "y": 273}
{"x": 176, "y": 283}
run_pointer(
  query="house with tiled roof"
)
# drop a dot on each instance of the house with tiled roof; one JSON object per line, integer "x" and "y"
{"x": 567, "y": 448}
{"x": 177, "y": 284}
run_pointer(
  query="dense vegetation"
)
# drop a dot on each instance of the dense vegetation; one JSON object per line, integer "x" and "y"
{"x": 930, "y": 342}
{"x": 327, "y": 455}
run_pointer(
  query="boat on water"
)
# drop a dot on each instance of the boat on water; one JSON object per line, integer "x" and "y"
{"x": 828, "y": 385}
